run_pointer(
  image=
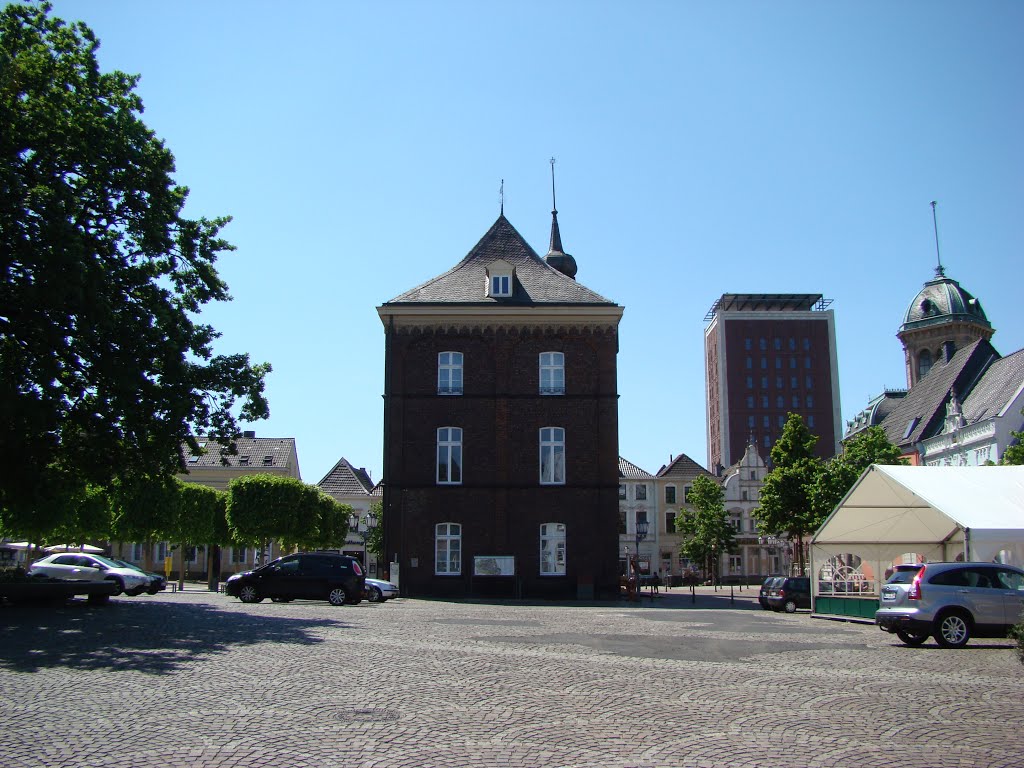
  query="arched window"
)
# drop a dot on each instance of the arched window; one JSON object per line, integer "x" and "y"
{"x": 448, "y": 549}
{"x": 924, "y": 363}
{"x": 449, "y": 456}
{"x": 552, "y": 549}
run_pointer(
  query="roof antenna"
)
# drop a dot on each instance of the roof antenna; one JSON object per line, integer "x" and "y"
{"x": 554, "y": 208}
{"x": 501, "y": 195}
{"x": 939, "y": 271}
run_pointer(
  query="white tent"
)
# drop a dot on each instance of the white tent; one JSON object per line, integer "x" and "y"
{"x": 936, "y": 513}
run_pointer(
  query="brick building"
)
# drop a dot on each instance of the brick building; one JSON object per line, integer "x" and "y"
{"x": 768, "y": 355}
{"x": 501, "y": 427}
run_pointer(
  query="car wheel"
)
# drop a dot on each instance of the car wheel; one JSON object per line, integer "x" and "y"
{"x": 952, "y": 630}
{"x": 337, "y": 596}
{"x": 790, "y": 606}
{"x": 911, "y": 638}
{"x": 119, "y": 584}
{"x": 248, "y": 594}
{"x": 374, "y": 595}
{"x": 152, "y": 591}
{"x": 135, "y": 592}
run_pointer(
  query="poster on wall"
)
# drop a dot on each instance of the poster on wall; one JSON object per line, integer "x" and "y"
{"x": 492, "y": 565}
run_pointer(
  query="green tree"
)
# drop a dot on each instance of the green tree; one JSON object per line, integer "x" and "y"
{"x": 706, "y": 529}
{"x": 786, "y": 500}
{"x": 104, "y": 369}
{"x": 1015, "y": 453}
{"x": 143, "y": 510}
{"x": 839, "y": 474}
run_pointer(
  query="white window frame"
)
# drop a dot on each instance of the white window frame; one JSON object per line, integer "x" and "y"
{"x": 552, "y": 549}
{"x": 449, "y": 373}
{"x": 552, "y": 373}
{"x": 640, "y": 492}
{"x": 448, "y": 549}
{"x": 552, "y": 456}
{"x": 449, "y": 456}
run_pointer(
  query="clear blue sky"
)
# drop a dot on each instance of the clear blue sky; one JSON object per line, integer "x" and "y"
{"x": 703, "y": 148}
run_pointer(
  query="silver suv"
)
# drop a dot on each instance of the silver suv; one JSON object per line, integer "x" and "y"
{"x": 951, "y": 602}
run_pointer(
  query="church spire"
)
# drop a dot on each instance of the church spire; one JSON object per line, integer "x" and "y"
{"x": 556, "y": 257}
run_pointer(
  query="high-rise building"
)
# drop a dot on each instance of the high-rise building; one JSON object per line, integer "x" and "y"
{"x": 766, "y": 356}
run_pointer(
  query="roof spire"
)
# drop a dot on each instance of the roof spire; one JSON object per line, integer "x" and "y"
{"x": 501, "y": 196}
{"x": 556, "y": 257}
{"x": 939, "y": 271}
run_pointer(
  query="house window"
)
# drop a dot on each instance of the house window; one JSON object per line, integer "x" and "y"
{"x": 449, "y": 373}
{"x": 749, "y": 363}
{"x": 750, "y": 422}
{"x": 622, "y": 491}
{"x": 810, "y": 420}
{"x": 764, "y": 401}
{"x": 924, "y": 363}
{"x": 448, "y": 549}
{"x": 136, "y": 552}
{"x": 641, "y": 516}
{"x": 745, "y": 494}
{"x": 552, "y": 549}
{"x": 767, "y": 441}
{"x": 779, "y": 383}
{"x": 810, "y": 401}
{"x": 782, "y": 421}
{"x": 552, "y": 373}
{"x": 552, "y": 456}
{"x": 793, "y": 383}
{"x": 501, "y": 285}
{"x": 807, "y": 345}
{"x": 763, "y": 344}
{"x": 807, "y": 362}
{"x": 622, "y": 521}
{"x": 777, "y": 343}
{"x": 764, "y": 382}
{"x": 767, "y": 421}
{"x": 750, "y": 382}
{"x": 686, "y": 493}
{"x": 239, "y": 554}
{"x": 735, "y": 565}
{"x": 747, "y": 344}
{"x": 750, "y": 401}
{"x": 764, "y": 363}
{"x": 778, "y": 363}
{"x": 670, "y": 494}
{"x": 796, "y": 401}
{"x": 449, "y": 456}
{"x": 809, "y": 383}
{"x": 640, "y": 492}
{"x": 780, "y": 402}
{"x": 670, "y": 522}
{"x": 792, "y": 344}
{"x": 161, "y": 551}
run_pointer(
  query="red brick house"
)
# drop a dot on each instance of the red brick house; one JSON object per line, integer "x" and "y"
{"x": 501, "y": 427}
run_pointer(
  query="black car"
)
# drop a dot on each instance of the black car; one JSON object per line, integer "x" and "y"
{"x": 789, "y": 594}
{"x": 766, "y": 588}
{"x": 157, "y": 581}
{"x": 339, "y": 579}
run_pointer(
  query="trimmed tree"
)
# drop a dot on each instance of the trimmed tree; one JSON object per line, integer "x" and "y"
{"x": 839, "y": 474}
{"x": 104, "y": 370}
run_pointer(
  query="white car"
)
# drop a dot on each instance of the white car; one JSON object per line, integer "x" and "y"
{"x": 79, "y": 566}
{"x": 378, "y": 591}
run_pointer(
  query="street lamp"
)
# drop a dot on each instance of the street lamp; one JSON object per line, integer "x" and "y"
{"x": 369, "y": 523}
{"x": 772, "y": 543}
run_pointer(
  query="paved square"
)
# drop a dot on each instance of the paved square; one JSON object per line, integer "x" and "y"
{"x": 199, "y": 679}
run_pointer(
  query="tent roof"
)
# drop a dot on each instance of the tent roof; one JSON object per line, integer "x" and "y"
{"x": 906, "y": 505}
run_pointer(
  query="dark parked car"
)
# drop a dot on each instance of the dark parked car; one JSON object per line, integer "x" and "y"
{"x": 339, "y": 579}
{"x": 951, "y": 602}
{"x": 157, "y": 581}
{"x": 791, "y": 593}
{"x": 769, "y": 584}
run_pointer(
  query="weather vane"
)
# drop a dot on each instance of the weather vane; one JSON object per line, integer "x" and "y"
{"x": 553, "y": 206}
{"x": 939, "y": 271}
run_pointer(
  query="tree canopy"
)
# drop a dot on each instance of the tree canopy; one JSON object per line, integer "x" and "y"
{"x": 839, "y": 474}
{"x": 706, "y": 529}
{"x": 105, "y": 370}
{"x": 786, "y": 505}
{"x": 1015, "y": 453}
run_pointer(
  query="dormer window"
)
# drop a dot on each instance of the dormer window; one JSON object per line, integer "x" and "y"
{"x": 499, "y": 279}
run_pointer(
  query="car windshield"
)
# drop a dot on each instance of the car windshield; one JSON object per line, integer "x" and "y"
{"x": 903, "y": 576}
{"x": 126, "y": 564}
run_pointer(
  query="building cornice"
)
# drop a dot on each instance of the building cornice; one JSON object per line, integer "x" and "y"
{"x": 461, "y": 318}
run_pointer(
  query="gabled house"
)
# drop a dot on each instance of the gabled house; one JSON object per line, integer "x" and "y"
{"x": 673, "y": 483}
{"x": 352, "y": 486}
{"x": 638, "y": 503}
{"x": 501, "y": 427}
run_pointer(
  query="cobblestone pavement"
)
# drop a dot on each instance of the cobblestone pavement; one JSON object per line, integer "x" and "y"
{"x": 199, "y": 679}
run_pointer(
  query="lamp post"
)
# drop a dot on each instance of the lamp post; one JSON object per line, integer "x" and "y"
{"x": 369, "y": 521}
{"x": 641, "y": 534}
{"x": 772, "y": 543}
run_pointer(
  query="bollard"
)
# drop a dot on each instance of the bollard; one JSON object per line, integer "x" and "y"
{"x": 732, "y": 595}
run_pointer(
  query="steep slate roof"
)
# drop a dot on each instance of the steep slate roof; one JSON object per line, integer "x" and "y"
{"x": 926, "y": 400}
{"x": 997, "y": 389}
{"x": 252, "y": 452}
{"x": 535, "y": 281}
{"x": 683, "y": 466}
{"x": 346, "y": 480}
{"x": 631, "y": 471}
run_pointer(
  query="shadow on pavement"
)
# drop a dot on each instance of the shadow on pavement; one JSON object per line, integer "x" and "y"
{"x": 155, "y": 638}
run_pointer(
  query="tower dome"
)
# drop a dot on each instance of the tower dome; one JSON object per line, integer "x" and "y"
{"x": 941, "y": 319}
